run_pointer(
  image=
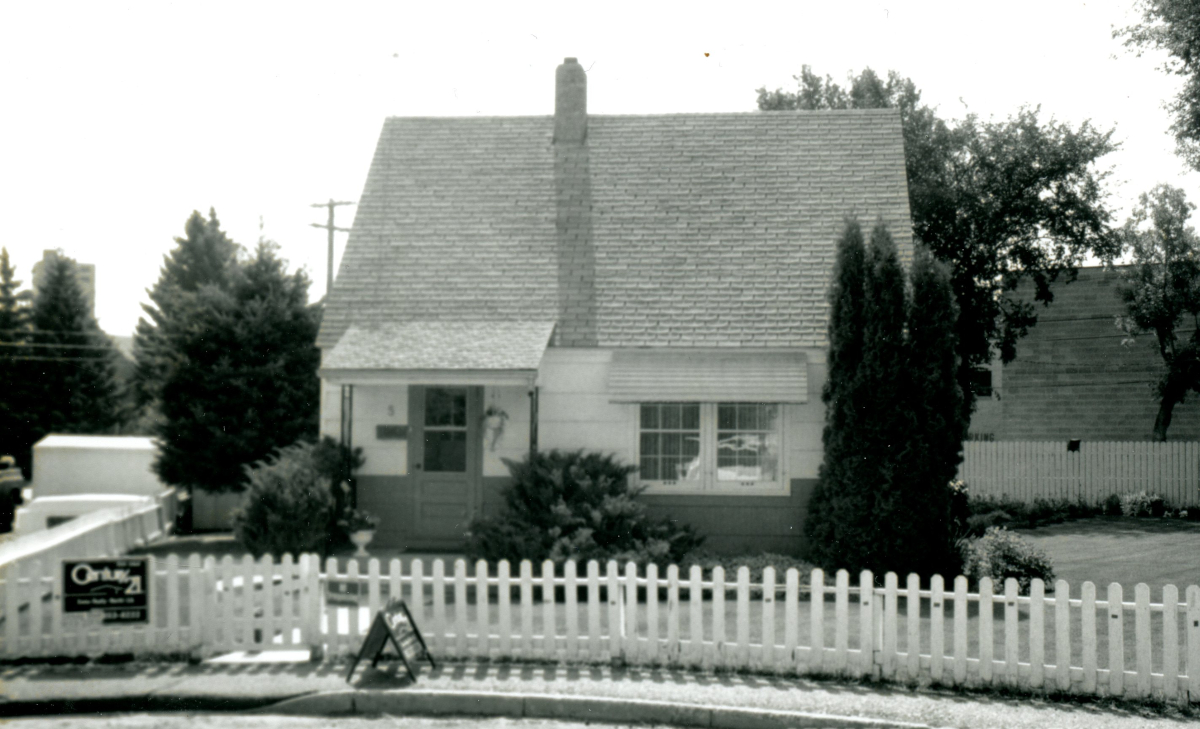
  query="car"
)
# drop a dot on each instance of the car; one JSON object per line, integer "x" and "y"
{"x": 12, "y": 483}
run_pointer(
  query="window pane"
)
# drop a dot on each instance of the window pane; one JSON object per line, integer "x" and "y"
{"x": 446, "y": 451}
{"x": 747, "y": 442}
{"x": 691, "y": 417}
{"x": 670, "y": 417}
{"x": 669, "y": 442}
{"x": 650, "y": 445}
{"x": 446, "y": 406}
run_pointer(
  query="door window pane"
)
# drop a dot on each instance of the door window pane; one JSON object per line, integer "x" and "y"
{"x": 747, "y": 442}
{"x": 446, "y": 451}
{"x": 445, "y": 430}
{"x": 446, "y": 406}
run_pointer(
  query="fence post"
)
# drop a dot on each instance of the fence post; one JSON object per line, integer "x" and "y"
{"x": 310, "y": 606}
{"x": 1193, "y": 644}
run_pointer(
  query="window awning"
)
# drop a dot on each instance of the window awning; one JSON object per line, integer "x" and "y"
{"x": 707, "y": 376}
{"x": 439, "y": 352}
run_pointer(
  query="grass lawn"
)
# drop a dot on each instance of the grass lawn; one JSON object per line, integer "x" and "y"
{"x": 1127, "y": 551}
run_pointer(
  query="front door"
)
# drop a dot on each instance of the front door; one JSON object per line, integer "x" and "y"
{"x": 444, "y": 462}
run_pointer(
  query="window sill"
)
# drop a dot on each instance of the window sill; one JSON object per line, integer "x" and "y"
{"x": 784, "y": 489}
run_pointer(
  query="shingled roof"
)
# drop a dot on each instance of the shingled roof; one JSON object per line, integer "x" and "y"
{"x": 705, "y": 229}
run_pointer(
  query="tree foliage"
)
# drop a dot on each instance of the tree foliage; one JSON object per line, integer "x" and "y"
{"x": 1174, "y": 26}
{"x": 287, "y": 505}
{"x": 1161, "y": 291}
{"x": 239, "y": 371}
{"x": 997, "y": 201}
{"x": 894, "y": 424}
{"x": 205, "y": 256}
{"x": 15, "y": 371}
{"x": 57, "y": 365}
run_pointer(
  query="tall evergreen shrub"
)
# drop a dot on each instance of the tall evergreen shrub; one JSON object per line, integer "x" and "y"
{"x": 839, "y": 510}
{"x": 893, "y": 431}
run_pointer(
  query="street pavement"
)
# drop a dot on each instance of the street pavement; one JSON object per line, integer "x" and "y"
{"x": 564, "y": 693}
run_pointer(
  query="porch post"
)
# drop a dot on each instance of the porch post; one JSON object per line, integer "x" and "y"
{"x": 533, "y": 422}
{"x": 348, "y": 437}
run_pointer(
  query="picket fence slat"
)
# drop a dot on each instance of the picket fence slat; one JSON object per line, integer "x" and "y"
{"x": 247, "y": 604}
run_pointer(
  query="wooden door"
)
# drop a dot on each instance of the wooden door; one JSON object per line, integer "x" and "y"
{"x": 444, "y": 462}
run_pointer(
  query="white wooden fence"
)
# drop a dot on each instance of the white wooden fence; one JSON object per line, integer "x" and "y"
{"x": 1070, "y": 641}
{"x": 1027, "y": 470}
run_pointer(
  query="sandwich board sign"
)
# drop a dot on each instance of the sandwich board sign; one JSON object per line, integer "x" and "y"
{"x": 116, "y": 589}
{"x": 393, "y": 624}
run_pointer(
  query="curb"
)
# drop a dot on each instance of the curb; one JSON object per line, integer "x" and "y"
{"x": 139, "y": 703}
{"x": 409, "y": 702}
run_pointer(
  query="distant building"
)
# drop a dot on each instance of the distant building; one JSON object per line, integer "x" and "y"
{"x": 1077, "y": 375}
{"x": 85, "y": 274}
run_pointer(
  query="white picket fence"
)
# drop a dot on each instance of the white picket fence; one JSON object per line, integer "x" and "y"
{"x": 1069, "y": 641}
{"x": 1027, "y": 470}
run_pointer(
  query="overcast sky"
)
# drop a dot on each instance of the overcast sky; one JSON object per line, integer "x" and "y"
{"x": 121, "y": 118}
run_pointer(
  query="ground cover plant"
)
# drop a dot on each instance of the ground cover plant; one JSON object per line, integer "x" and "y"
{"x": 576, "y": 505}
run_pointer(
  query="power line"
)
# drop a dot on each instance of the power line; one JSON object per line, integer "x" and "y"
{"x": 8, "y": 358}
{"x": 56, "y": 346}
{"x": 329, "y": 226}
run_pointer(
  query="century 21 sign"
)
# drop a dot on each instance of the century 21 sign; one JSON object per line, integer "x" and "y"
{"x": 118, "y": 587}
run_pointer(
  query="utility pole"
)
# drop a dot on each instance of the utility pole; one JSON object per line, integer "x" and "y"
{"x": 331, "y": 228}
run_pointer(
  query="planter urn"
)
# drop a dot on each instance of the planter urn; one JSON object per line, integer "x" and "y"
{"x": 361, "y": 539}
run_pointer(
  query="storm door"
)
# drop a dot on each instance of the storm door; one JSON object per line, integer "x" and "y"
{"x": 444, "y": 462}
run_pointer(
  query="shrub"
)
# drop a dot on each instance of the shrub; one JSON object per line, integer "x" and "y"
{"x": 1143, "y": 504}
{"x": 286, "y": 506}
{"x": 576, "y": 505}
{"x": 1112, "y": 505}
{"x": 1000, "y": 554}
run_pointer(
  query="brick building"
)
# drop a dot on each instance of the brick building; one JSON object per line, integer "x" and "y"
{"x": 1076, "y": 376}
{"x": 85, "y": 274}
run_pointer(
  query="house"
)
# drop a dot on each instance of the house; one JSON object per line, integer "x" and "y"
{"x": 1078, "y": 376}
{"x": 651, "y": 286}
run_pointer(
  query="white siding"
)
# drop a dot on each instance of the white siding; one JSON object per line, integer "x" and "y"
{"x": 574, "y": 410}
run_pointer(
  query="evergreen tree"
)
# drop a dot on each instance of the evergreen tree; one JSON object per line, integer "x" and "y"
{"x": 205, "y": 256}
{"x": 840, "y": 507}
{"x": 240, "y": 374}
{"x": 884, "y": 425}
{"x": 924, "y": 527}
{"x": 71, "y": 379}
{"x": 14, "y": 374}
{"x": 894, "y": 421}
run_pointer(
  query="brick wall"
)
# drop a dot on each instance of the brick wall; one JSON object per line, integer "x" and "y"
{"x": 573, "y": 211}
{"x": 1074, "y": 378}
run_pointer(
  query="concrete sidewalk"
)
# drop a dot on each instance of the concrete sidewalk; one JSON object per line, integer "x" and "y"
{"x": 584, "y": 693}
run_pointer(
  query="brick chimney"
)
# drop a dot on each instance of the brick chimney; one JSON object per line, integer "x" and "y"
{"x": 573, "y": 203}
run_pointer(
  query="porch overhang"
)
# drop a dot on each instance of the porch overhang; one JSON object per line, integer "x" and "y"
{"x": 439, "y": 353}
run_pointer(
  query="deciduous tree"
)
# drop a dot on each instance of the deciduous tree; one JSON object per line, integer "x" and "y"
{"x": 1174, "y": 26}
{"x": 997, "y": 201}
{"x": 1161, "y": 291}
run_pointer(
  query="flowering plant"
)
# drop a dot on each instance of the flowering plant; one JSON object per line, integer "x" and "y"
{"x": 357, "y": 520}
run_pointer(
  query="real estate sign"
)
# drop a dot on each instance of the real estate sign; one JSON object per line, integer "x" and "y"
{"x": 119, "y": 589}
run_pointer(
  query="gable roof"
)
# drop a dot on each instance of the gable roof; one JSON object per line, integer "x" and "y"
{"x": 708, "y": 229}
